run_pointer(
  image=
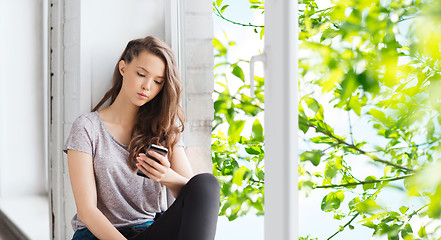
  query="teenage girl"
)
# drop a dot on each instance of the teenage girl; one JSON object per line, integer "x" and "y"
{"x": 106, "y": 147}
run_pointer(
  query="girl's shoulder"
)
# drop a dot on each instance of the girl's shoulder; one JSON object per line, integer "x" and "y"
{"x": 87, "y": 123}
{"x": 83, "y": 133}
{"x": 87, "y": 119}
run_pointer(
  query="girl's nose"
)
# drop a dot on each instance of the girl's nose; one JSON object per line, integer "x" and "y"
{"x": 147, "y": 84}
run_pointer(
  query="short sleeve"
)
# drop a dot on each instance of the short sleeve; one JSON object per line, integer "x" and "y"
{"x": 81, "y": 136}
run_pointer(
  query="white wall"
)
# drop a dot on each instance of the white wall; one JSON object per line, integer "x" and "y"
{"x": 105, "y": 35}
{"x": 22, "y": 164}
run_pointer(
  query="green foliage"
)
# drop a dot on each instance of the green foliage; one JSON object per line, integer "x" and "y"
{"x": 375, "y": 62}
{"x": 237, "y": 133}
{"x": 372, "y": 59}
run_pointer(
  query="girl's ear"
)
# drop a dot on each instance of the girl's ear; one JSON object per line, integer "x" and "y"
{"x": 122, "y": 67}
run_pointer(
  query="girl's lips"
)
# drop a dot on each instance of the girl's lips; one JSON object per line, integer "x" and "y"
{"x": 142, "y": 96}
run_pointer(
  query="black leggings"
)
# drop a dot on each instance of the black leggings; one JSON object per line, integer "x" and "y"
{"x": 193, "y": 215}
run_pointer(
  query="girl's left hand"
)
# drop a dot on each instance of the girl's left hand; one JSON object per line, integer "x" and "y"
{"x": 151, "y": 168}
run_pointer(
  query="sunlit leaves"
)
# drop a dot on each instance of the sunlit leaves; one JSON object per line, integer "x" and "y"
{"x": 368, "y": 184}
{"x": 312, "y": 156}
{"x": 332, "y": 167}
{"x": 332, "y": 201}
{"x": 218, "y": 2}
{"x": 375, "y": 61}
{"x": 375, "y": 58}
{"x": 237, "y": 134}
{"x": 257, "y": 131}
{"x": 427, "y": 30}
{"x": 235, "y": 171}
{"x": 219, "y": 47}
{"x": 238, "y": 72}
{"x": 223, "y": 8}
{"x": 256, "y": 4}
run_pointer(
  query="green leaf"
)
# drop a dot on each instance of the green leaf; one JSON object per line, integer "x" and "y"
{"x": 407, "y": 231}
{"x": 312, "y": 156}
{"x": 334, "y": 76}
{"x": 387, "y": 170}
{"x": 349, "y": 85}
{"x": 239, "y": 175}
{"x": 234, "y": 131}
{"x": 355, "y": 105}
{"x": 368, "y": 81}
{"x": 422, "y": 232}
{"x": 219, "y": 46}
{"x": 332, "y": 167}
{"x": 353, "y": 204}
{"x": 260, "y": 174}
{"x": 227, "y": 170}
{"x": 219, "y": 2}
{"x": 348, "y": 179}
{"x": 322, "y": 139}
{"x": 332, "y": 201}
{"x": 238, "y": 72}
{"x": 368, "y": 186}
{"x": 324, "y": 127}
{"x": 253, "y": 150}
{"x": 306, "y": 186}
{"x": 257, "y": 7}
{"x": 219, "y": 105}
{"x": 403, "y": 209}
{"x": 367, "y": 206}
{"x": 430, "y": 130}
{"x": 379, "y": 115}
{"x": 312, "y": 104}
{"x": 223, "y": 8}
{"x": 302, "y": 124}
{"x": 257, "y": 130}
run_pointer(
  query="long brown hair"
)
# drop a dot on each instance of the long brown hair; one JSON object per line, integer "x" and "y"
{"x": 157, "y": 120}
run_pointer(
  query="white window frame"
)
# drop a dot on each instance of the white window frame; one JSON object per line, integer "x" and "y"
{"x": 281, "y": 118}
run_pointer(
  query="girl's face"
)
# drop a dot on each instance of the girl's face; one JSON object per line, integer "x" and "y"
{"x": 143, "y": 78}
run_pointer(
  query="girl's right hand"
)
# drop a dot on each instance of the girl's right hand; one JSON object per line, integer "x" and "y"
{"x": 151, "y": 168}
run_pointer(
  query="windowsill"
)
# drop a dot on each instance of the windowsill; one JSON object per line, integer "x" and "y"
{"x": 29, "y": 213}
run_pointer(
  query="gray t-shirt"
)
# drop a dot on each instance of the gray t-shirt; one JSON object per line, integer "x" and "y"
{"x": 122, "y": 196}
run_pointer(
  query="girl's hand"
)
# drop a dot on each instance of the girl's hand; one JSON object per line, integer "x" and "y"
{"x": 151, "y": 168}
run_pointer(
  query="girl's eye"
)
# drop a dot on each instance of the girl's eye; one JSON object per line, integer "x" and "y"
{"x": 158, "y": 82}
{"x": 139, "y": 74}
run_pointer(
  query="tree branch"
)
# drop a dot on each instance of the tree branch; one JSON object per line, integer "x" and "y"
{"x": 410, "y": 146}
{"x": 350, "y": 128}
{"x": 259, "y": 182}
{"x": 364, "y": 182}
{"x": 235, "y": 98}
{"x": 404, "y": 19}
{"x": 342, "y": 228}
{"x": 219, "y": 14}
{"x": 340, "y": 141}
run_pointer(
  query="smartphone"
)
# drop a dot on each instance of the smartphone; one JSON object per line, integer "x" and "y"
{"x": 161, "y": 150}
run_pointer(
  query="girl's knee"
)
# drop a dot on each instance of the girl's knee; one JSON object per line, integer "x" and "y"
{"x": 204, "y": 182}
{"x": 205, "y": 179}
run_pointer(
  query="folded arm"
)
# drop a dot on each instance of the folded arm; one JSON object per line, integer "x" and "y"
{"x": 173, "y": 173}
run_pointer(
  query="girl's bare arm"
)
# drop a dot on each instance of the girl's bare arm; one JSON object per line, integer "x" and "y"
{"x": 84, "y": 189}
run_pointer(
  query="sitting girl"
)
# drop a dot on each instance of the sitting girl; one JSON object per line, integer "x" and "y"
{"x": 106, "y": 147}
